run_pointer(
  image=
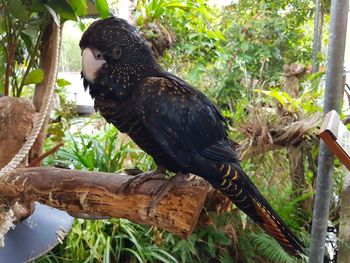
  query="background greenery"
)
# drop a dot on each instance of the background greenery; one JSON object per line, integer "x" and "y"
{"x": 229, "y": 53}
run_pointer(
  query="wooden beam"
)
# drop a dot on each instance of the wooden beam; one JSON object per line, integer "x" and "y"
{"x": 96, "y": 193}
{"x": 336, "y": 136}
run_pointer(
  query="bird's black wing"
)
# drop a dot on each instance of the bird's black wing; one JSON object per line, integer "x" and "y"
{"x": 182, "y": 120}
{"x": 184, "y": 123}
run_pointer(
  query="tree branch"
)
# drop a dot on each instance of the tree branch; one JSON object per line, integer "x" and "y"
{"x": 265, "y": 137}
{"x": 37, "y": 161}
{"x": 97, "y": 193}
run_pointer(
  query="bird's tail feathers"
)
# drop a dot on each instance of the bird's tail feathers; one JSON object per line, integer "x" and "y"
{"x": 236, "y": 185}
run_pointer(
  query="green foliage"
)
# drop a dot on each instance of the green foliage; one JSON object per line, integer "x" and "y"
{"x": 22, "y": 27}
{"x": 152, "y": 10}
{"x": 63, "y": 9}
{"x": 214, "y": 243}
{"x": 305, "y": 103}
{"x": 116, "y": 240}
{"x": 63, "y": 113}
{"x": 270, "y": 249}
{"x": 79, "y": 7}
{"x": 18, "y": 10}
{"x": 106, "y": 153}
{"x": 21, "y": 33}
{"x": 195, "y": 22}
{"x": 243, "y": 46}
{"x": 103, "y": 8}
{"x": 34, "y": 77}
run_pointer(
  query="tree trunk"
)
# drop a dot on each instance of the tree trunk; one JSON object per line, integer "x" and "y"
{"x": 318, "y": 26}
{"x": 292, "y": 73}
{"x": 296, "y": 169}
{"x": 46, "y": 64}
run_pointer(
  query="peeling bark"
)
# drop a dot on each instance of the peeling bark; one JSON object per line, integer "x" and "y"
{"x": 275, "y": 138}
{"x": 97, "y": 194}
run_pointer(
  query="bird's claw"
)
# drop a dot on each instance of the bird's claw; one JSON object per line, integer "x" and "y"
{"x": 131, "y": 184}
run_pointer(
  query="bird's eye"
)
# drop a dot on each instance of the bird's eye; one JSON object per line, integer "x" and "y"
{"x": 98, "y": 54}
{"x": 116, "y": 53}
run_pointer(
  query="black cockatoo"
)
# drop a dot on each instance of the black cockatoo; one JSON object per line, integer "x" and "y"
{"x": 169, "y": 119}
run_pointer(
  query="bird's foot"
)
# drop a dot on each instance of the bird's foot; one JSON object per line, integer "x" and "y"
{"x": 164, "y": 189}
{"x": 133, "y": 171}
{"x": 130, "y": 185}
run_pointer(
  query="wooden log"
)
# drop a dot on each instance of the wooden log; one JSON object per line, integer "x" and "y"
{"x": 96, "y": 193}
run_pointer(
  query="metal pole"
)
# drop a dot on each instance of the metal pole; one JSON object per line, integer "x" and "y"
{"x": 333, "y": 96}
{"x": 317, "y": 40}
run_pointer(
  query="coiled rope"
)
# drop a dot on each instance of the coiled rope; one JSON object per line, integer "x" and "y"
{"x": 38, "y": 123}
{"x": 7, "y": 216}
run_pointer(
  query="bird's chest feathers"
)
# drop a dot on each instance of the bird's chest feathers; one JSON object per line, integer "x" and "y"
{"x": 118, "y": 83}
{"x": 118, "y": 112}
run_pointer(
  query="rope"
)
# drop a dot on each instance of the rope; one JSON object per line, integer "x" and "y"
{"x": 38, "y": 123}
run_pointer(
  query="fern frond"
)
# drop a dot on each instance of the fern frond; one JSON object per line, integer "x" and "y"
{"x": 271, "y": 250}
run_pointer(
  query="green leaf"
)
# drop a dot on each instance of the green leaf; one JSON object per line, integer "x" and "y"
{"x": 63, "y": 9}
{"x": 36, "y": 5}
{"x": 18, "y": 10}
{"x": 32, "y": 28}
{"x": 53, "y": 14}
{"x": 107, "y": 251}
{"x": 27, "y": 41}
{"x": 102, "y": 8}
{"x": 79, "y": 7}
{"x": 62, "y": 83}
{"x": 281, "y": 97}
{"x": 82, "y": 26}
{"x": 211, "y": 246}
{"x": 34, "y": 77}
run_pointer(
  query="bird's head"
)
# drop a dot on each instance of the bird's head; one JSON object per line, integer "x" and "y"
{"x": 115, "y": 56}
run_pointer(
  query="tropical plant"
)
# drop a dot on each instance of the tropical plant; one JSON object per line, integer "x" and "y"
{"x": 22, "y": 28}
